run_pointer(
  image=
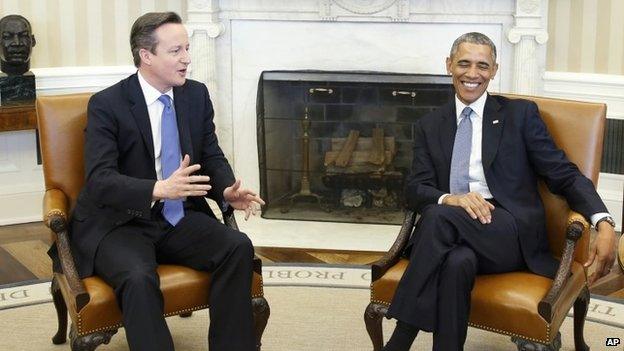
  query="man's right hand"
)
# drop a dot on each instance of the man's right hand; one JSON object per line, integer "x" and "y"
{"x": 181, "y": 183}
{"x": 474, "y": 204}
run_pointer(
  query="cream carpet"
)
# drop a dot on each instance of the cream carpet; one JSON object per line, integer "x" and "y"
{"x": 302, "y": 319}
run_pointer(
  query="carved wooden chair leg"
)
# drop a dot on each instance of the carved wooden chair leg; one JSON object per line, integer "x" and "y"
{"x": 186, "y": 314}
{"x": 580, "y": 312}
{"x": 89, "y": 342}
{"x": 61, "y": 313}
{"x": 527, "y": 345}
{"x": 372, "y": 317}
{"x": 261, "y": 312}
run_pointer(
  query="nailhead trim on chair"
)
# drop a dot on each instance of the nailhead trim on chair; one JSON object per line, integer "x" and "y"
{"x": 387, "y": 304}
{"x": 261, "y": 290}
{"x": 514, "y": 334}
{"x": 53, "y": 213}
{"x": 119, "y": 325}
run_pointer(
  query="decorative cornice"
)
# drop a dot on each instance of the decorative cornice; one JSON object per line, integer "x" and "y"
{"x": 213, "y": 30}
{"x": 529, "y": 7}
{"x": 397, "y": 10}
{"x": 515, "y": 35}
{"x": 367, "y": 7}
{"x": 198, "y": 4}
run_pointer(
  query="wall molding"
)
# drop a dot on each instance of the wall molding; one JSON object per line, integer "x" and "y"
{"x": 607, "y": 88}
{"x": 61, "y": 80}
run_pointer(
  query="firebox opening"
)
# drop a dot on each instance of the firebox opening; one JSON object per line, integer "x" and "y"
{"x": 337, "y": 146}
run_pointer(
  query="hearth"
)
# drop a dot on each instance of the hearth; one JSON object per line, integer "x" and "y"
{"x": 337, "y": 146}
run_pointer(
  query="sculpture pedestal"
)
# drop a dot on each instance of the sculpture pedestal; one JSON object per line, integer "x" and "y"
{"x": 18, "y": 117}
{"x": 17, "y": 90}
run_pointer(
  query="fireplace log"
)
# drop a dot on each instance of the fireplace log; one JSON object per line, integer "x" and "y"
{"x": 358, "y": 158}
{"x": 345, "y": 154}
{"x": 377, "y": 154}
{"x": 364, "y": 143}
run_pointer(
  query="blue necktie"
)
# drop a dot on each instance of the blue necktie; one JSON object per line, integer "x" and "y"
{"x": 460, "y": 162}
{"x": 173, "y": 210}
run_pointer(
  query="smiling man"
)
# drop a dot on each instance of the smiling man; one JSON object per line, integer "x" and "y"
{"x": 474, "y": 176}
{"x": 151, "y": 158}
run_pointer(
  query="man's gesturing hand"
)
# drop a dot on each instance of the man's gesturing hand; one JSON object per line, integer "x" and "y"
{"x": 474, "y": 204}
{"x": 181, "y": 183}
{"x": 242, "y": 199}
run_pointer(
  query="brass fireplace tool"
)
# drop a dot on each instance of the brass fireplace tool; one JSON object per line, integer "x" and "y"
{"x": 304, "y": 191}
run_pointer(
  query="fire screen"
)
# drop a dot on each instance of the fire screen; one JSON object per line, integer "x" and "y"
{"x": 337, "y": 146}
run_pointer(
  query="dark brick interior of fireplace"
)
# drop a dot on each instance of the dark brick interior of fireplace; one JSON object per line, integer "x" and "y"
{"x": 338, "y": 102}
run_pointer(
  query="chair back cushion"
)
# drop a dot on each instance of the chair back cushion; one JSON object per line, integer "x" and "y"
{"x": 578, "y": 129}
{"x": 62, "y": 120}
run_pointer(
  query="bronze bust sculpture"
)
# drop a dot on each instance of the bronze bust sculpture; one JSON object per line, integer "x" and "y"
{"x": 17, "y": 43}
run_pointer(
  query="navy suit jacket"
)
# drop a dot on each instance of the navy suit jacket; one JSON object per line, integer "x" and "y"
{"x": 517, "y": 151}
{"x": 119, "y": 161}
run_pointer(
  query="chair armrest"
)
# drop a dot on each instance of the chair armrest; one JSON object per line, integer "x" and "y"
{"x": 380, "y": 267}
{"x": 577, "y": 227}
{"x": 55, "y": 217}
{"x": 230, "y": 221}
{"x": 54, "y": 203}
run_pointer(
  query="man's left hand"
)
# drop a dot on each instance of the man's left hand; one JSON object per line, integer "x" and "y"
{"x": 242, "y": 199}
{"x": 603, "y": 252}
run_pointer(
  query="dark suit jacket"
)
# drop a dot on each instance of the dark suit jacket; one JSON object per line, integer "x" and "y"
{"x": 119, "y": 161}
{"x": 516, "y": 152}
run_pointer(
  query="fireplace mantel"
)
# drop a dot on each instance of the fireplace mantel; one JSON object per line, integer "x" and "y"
{"x": 235, "y": 40}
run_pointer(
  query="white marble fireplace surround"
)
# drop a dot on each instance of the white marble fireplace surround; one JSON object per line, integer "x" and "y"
{"x": 233, "y": 41}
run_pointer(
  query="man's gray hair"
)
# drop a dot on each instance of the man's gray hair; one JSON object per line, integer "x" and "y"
{"x": 474, "y": 38}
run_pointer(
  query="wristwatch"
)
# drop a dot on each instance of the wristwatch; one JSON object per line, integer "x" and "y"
{"x": 607, "y": 219}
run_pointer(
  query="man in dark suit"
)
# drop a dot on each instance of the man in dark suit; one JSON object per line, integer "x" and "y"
{"x": 151, "y": 157}
{"x": 474, "y": 177}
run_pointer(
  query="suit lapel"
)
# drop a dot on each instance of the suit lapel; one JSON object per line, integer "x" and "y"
{"x": 138, "y": 108}
{"x": 448, "y": 128}
{"x": 493, "y": 121}
{"x": 183, "y": 115}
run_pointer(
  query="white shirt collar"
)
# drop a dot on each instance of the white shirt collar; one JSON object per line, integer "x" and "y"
{"x": 477, "y": 106}
{"x": 150, "y": 93}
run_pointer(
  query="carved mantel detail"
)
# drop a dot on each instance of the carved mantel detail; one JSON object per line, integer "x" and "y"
{"x": 395, "y": 10}
{"x": 529, "y": 6}
{"x": 198, "y": 4}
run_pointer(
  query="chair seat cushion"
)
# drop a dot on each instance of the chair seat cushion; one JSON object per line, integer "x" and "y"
{"x": 504, "y": 303}
{"x": 184, "y": 290}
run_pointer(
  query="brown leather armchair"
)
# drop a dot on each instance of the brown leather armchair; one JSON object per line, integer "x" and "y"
{"x": 524, "y": 305}
{"x": 91, "y": 302}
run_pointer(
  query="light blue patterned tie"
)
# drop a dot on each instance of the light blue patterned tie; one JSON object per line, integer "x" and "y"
{"x": 173, "y": 210}
{"x": 460, "y": 162}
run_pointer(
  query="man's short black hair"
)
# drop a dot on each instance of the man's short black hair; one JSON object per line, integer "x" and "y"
{"x": 474, "y": 38}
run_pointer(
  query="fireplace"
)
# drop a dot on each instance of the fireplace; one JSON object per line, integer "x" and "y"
{"x": 337, "y": 146}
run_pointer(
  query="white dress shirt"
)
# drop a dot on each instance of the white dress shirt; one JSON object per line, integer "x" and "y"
{"x": 154, "y": 109}
{"x": 476, "y": 175}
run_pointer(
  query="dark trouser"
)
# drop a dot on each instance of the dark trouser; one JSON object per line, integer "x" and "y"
{"x": 448, "y": 249}
{"x": 127, "y": 259}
